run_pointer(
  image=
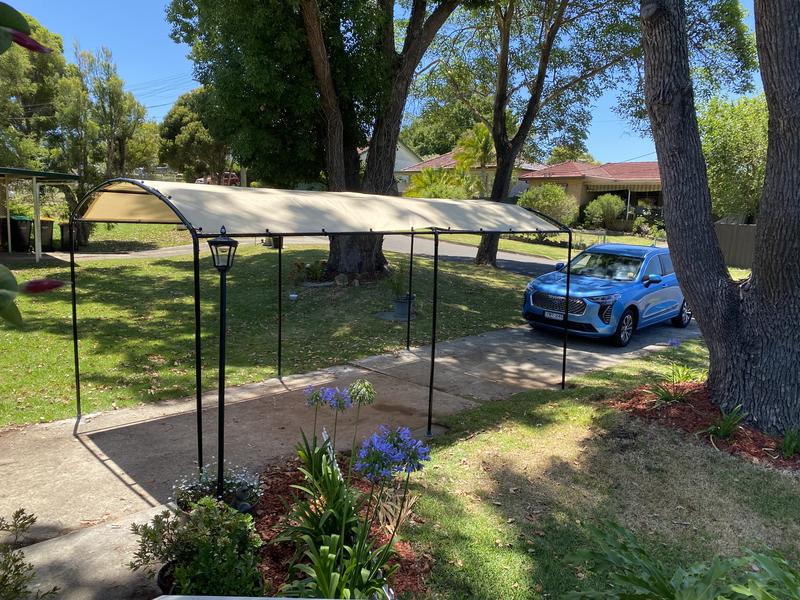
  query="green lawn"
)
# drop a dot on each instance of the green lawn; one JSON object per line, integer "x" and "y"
{"x": 545, "y": 250}
{"x": 136, "y": 324}
{"x": 510, "y": 488}
{"x": 128, "y": 237}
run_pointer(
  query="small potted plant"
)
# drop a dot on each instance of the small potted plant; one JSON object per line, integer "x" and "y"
{"x": 241, "y": 489}
{"x": 397, "y": 284}
{"x": 213, "y": 551}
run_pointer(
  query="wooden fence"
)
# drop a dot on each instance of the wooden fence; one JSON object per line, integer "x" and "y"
{"x": 738, "y": 243}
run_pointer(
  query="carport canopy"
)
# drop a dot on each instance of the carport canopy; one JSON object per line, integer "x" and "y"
{"x": 264, "y": 211}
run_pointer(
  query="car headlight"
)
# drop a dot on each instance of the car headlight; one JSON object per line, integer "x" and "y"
{"x": 531, "y": 286}
{"x": 607, "y": 299}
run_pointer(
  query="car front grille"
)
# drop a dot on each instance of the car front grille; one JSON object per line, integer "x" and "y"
{"x": 534, "y": 318}
{"x": 554, "y": 303}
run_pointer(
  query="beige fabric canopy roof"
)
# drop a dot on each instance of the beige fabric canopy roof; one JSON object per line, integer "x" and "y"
{"x": 255, "y": 211}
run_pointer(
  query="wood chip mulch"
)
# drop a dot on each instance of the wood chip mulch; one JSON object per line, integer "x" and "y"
{"x": 695, "y": 414}
{"x": 275, "y": 503}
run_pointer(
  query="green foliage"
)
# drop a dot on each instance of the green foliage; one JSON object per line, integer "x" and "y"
{"x": 563, "y": 153}
{"x": 668, "y": 393}
{"x": 790, "y": 446}
{"x": 8, "y": 293}
{"x": 442, "y": 183}
{"x": 187, "y": 145}
{"x": 313, "y": 271}
{"x": 214, "y": 551}
{"x": 16, "y": 574}
{"x": 143, "y": 148}
{"x": 475, "y": 149}
{"x": 725, "y": 426}
{"x": 551, "y": 200}
{"x": 604, "y": 210}
{"x": 398, "y": 278}
{"x": 734, "y": 136}
{"x": 632, "y": 572}
{"x": 240, "y": 488}
{"x": 439, "y": 125}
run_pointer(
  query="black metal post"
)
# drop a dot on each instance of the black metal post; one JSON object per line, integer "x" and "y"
{"x": 410, "y": 292}
{"x": 280, "y": 308}
{"x": 198, "y": 355}
{"x": 74, "y": 317}
{"x": 566, "y": 313}
{"x": 223, "y": 291}
{"x": 433, "y": 328}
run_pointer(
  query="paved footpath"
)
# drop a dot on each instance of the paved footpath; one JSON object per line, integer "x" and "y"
{"x": 88, "y": 481}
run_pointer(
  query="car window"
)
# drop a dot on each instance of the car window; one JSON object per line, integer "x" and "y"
{"x": 604, "y": 265}
{"x": 666, "y": 264}
{"x": 654, "y": 267}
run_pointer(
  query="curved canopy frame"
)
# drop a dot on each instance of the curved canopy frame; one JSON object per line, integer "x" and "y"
{"x": 262, "y": 212}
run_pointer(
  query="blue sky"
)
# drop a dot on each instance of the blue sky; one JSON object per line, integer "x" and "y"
{"x": 156, "y": 69}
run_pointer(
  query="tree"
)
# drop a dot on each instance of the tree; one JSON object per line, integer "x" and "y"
{"x": 437, "y": 127}
{"x": 186, "y": 143}
{"x": 476, "y": 150}
{"x": 551, "y": 200}
{"x": 750, "y": 327}
{"x": 544, "y": 62}
{"x": 143, "y": 148}
{"x": 604, "y": 210}
{"x": 562, "y": 153}
{"x": 734, "y": 138}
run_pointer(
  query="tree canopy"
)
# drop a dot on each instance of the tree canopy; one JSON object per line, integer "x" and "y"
{"x": 561, "y": 153}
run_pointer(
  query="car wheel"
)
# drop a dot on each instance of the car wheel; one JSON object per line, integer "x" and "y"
{"x": 625, "y": 328}
{"x": 684, "y": 317}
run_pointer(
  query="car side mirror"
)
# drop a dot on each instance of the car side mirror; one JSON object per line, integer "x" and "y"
{"x": 654, "y": 278}
{"x": 559, "y": 266}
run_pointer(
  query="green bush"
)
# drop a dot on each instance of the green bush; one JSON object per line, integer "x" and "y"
{"x": 16, "y": 574}
{"x": 634, "y": 573}
{"x": 551, "y": 200}
{"x": 727, "y": 424}
{"x": 604, "y": 210}
{"x": 790, "y": 444}
{"x": 213, "y": 551}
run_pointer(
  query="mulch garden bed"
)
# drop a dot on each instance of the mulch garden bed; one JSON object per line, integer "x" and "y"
{"x": 695, "y": 414}
{"x": 269, "y": 513}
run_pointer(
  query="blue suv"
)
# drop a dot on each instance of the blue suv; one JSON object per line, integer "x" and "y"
{"x": 615, "y": 289}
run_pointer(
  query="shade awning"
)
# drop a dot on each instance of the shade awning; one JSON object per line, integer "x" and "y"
{"x": 257, "y": 211}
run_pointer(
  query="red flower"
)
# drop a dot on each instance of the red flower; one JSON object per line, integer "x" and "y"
{"x": 38, "y": 286}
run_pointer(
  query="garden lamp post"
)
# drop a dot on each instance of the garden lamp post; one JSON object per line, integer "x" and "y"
{"x": 223, "y": 249}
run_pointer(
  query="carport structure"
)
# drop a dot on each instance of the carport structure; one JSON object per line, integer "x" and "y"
{"x": 260, "y": 212}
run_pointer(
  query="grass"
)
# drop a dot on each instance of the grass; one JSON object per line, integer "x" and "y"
{"x": 510, "y": 488}
{"x": 129, "y": 237}
{"x": 545, "y": 250}
{"x": 136, "y": 323}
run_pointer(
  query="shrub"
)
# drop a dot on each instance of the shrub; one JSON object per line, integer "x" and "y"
{"x": 551, "y": 200}
{"x": 632, "y": 572}
{"x": 790, "y": 444}
{"x": 214, "y": 551}
{"x": 442, "y": 183}
{"x": 604, "y": 210}
{"x": 16, "y": 574}
{"x": 240, "y": 488}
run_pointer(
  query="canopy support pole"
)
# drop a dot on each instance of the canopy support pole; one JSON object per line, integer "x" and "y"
{"x": 198, "y": 355}
{"x": 280, "y": 307}
{"x": 8, "y": 217}
{"x": 74, "y": 317}
{"x": 566, "y": 312}
{"x": 410, "y": 293}
{"x": 433, "y": 328}
{"x": 37, "y": 221}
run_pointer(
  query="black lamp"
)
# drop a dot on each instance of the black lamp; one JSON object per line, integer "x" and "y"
{"x": 223, "y": 249}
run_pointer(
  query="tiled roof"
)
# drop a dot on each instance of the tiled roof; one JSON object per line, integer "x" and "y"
{"x": 448, "y": 161}
{"x": 620, "y": 171}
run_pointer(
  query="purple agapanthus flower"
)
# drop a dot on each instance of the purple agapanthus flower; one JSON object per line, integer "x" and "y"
{"x": 389, "y": 452}
{"x": 338, "y": 399}
{"x": 674, "y": 343}
{"x": 314, "y": 397}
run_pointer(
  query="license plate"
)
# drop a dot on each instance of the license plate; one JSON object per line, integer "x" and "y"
{"x": 553, "y": 315}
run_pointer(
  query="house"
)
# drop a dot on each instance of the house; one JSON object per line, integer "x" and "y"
{"x": 638, "y": 183}
{"x": 448, "y": 161}
{"x": 404, "y": 158}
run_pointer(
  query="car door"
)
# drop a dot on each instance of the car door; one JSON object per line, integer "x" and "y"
{"x": 673, "y": 294}
{"x": 655, "y": 301}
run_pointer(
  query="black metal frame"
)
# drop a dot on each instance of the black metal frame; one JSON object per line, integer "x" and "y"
{"x": 198, "y": 234}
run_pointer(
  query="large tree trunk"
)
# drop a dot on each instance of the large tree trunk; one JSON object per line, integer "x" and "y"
{"x": 490, "y": 242}
{"x": 750, "y": 328}
{"x": 356, "y": 254}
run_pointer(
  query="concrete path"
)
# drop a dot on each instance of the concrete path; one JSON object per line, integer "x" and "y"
{"x": 88, "y": 481}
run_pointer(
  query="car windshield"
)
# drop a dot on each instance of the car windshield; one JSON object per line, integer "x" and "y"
{"x": 603, "y": 265}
